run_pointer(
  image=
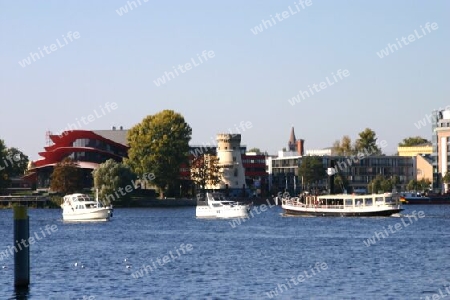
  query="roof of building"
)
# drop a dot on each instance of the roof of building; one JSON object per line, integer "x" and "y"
{"x": 115, "y": 135}
{"x": 429, "y": 144}
{"x": 428, "y": 158}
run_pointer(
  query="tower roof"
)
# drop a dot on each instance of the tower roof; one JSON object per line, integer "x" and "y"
{"x": 292, "y": 138}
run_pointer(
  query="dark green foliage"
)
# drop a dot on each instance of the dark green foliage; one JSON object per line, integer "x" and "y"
{"x": 413, "y": 141}
{"x": 114, "y": 181}
{"x": 66, "y": 177}
{"x": 159, "y": 145}
{"x": 311, "y": 170}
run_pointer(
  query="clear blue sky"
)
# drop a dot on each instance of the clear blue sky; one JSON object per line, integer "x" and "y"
{"x": 250, "y": 78}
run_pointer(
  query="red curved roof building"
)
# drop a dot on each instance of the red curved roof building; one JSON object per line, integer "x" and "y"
{"x": 87, "y": 148}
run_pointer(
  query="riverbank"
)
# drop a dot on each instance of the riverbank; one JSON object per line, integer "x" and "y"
{"x": 7, "y": 202}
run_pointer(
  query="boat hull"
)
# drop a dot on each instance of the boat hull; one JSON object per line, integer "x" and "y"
{"x": 318, "y": 213}
{"x": 234, "y": 212}
{"x": 425, "y": 201}
{"x": 103, "y": 214}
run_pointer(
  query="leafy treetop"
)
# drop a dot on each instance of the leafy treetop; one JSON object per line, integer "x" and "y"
{"x": 66, "y": 177}
{"x": 159, "y": 145}
{"x": 413, "y": 141}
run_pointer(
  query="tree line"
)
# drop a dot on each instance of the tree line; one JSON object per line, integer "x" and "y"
{"x": 159, "y": 145}
{"x": 13, "y": 163}
{"x": 312, "y": 170}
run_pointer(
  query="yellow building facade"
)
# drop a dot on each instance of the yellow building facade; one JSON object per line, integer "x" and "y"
{"x": 415, "y": 150}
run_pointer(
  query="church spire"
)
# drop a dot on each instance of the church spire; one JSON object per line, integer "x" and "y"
{"x": 292, "y": 140}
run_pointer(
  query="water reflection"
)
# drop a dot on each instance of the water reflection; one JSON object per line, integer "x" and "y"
{"x": 21, "y": 293}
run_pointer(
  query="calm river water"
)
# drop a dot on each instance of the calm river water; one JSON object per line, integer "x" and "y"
{"x": 266, "y": 257}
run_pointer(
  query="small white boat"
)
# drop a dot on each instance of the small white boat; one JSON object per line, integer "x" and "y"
{"x": 343, "y": 205}
{"x": 80, "y": 207}
{"x": 215, "y": 205}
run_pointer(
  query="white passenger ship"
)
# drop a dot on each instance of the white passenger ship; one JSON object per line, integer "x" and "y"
{"x": 215, "y": 205}
{"x": 343, "y": 205}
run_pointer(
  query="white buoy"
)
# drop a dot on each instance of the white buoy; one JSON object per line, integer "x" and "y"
{"x": 75, "y": 264}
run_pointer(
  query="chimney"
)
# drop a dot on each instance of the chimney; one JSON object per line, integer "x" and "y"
{"x": 300, "y": 146}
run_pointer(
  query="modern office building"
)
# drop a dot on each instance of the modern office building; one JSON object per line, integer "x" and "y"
{"x": 426, "y": 148}
{"x": 320, "y": 152}
{"x": 359, "y": 171}
{"x": 87, "y": 148}
{"x": 283, "y": 174}
{"x": 423, "y": 158}
{"x": 255, "y": 172}
{"x": 424, "y": 167}
{"x": 440, "y": 141}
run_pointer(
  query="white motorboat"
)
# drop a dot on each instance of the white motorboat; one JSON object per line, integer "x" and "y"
{"x": 81, "y": 207}
{"x": 216, "y": 205}
{"x": 343, "y": 205}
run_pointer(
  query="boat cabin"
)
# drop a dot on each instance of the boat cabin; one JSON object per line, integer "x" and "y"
{"x": 348, "y": 201}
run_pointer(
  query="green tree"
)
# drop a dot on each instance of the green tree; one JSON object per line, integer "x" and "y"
{"x": 340, "y": 183}
{"x": 413, "y": 141}
{"x": 423, "y": 184}
{"x": 311, "y": 170}
{"x": 4, "y": 175}
{"x": 257, "y": 150}
{"x": 367, "y": 143}
{"x": 159, "y": 145}
{"x": 395, "y": 181}
{"x": 412, "y": 185}
{"x": 446, "y": 178}
{"x": 205, "y": 171}
{"x": 17, "y": 162}
{"x": 375, "y": 185}
{"x": 114, "y": 181}
{"x": 343, "y": 147}
{"x": 386, "y": 185}
{"x": 66, "y": 177}
{"x": 380, "y": 184}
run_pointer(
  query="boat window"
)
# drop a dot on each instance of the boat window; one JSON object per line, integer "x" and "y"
{"x": 379, "y": 199}
{"x": 348, "y": 202}
{"x": 368, "y": 201}
{"x": 389, "y": 200}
